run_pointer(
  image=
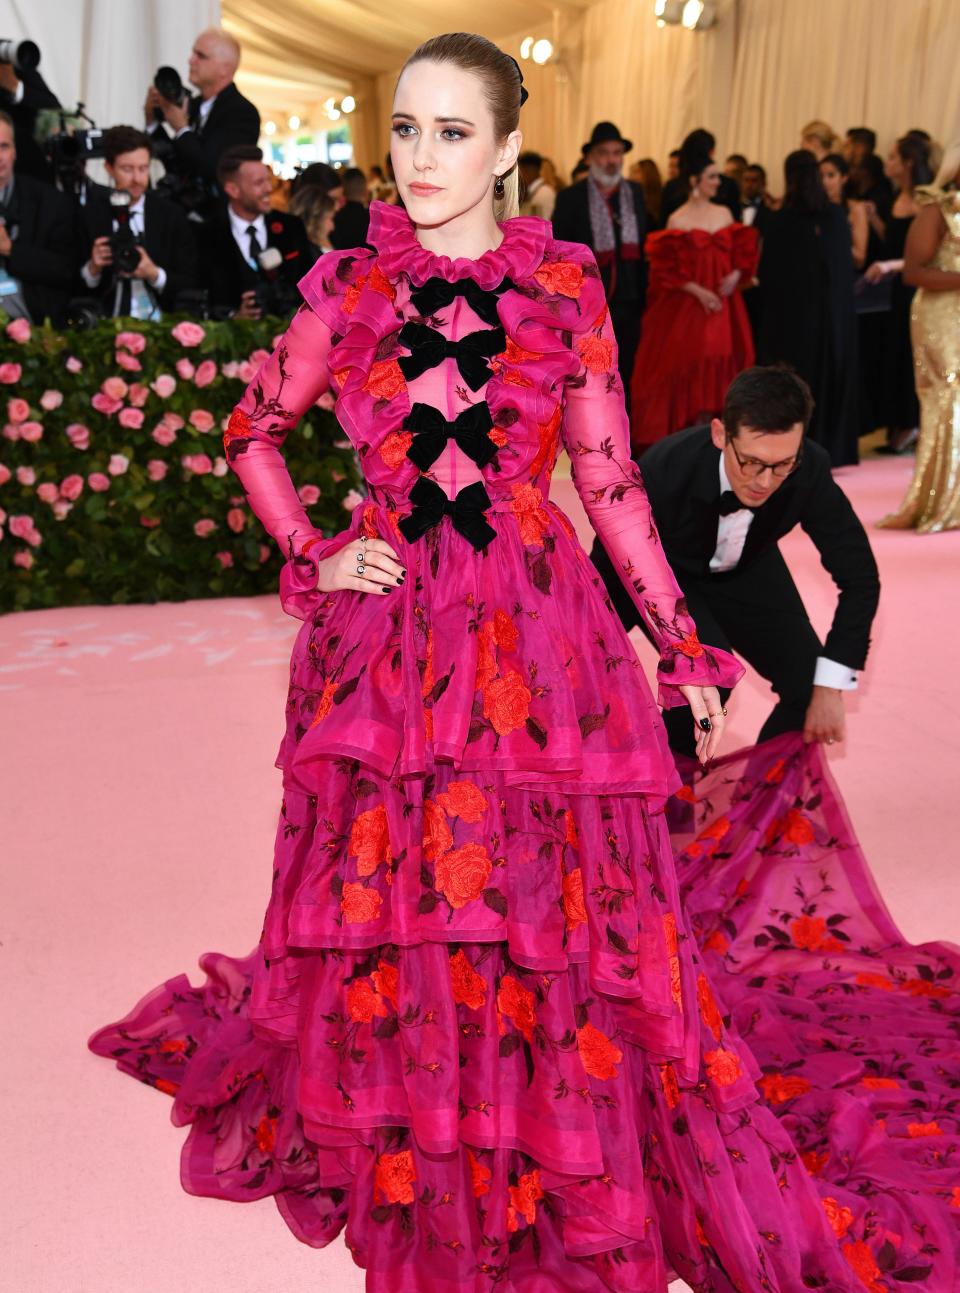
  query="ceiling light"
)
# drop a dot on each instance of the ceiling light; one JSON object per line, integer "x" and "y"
{"x": 668, "y": 12}
{"x": 542, "y": 51}
{"x": 269, "y": 127}
{"x": 348, "y": 104}
{"x": 698, "y": 15}
{"x": 333, "y": 114}
{"x": 526, "y": 45}
{"x": 294, "y": 123}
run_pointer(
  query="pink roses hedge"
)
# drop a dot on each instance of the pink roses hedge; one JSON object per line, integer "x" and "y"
{"x": 113, "y": 483}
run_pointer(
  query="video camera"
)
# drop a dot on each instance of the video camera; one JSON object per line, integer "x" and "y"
{"x": 123, "y": 243}
{"x": 24, "y": 55}
{"x": 70, "y": 147}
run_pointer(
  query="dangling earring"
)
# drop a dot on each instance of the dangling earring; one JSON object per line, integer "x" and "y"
{"x": 498, "y": 187}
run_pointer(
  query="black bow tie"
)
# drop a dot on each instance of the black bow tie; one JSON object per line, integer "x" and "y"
{"x": 429, "y": 347}
{"x": 729, "y": 503}
{"x": 436, "y": 294}
{"x": 466, "y": 511}
{"x": 469, "y": 430}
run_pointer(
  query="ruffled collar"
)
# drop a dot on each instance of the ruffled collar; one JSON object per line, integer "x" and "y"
{"x": 392, "y": 233}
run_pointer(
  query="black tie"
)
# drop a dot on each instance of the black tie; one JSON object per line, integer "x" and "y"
{"x": 255, "y": 248}
{"x": 729, "y": 503}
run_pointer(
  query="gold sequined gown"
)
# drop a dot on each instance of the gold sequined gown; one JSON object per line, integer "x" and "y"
{"x": 932, "y": 501}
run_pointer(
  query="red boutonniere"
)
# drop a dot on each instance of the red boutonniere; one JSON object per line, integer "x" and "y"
{"x": 276, "y": 227}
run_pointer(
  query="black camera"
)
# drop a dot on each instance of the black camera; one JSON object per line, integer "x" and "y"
{"x": 68, "y": 151}
{"x": 274, "y": 294}
{"x": 123, "y": 243}
{"x": 168, "y": 85}
{"x": 24, "y": 55}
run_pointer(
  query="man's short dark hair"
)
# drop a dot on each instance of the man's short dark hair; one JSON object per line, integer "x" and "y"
{"x": 233, "y": 158}
{"x": 674, "y": 153}
{"x": 531, "y": 159}
{"x": 7, "y": 119}
{"x": 124, "y": 139}
{"x": 354, "y": 183}
{"x": 756, "y": 169}
{"x": 738, "y": 158}
{"x": 863, "y": 135}
{"x": 770, "y": 400}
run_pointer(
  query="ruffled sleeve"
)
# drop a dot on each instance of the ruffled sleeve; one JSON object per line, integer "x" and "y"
{"x": 286, "y": 385}
{"x": 596, "y": 436}
{"x": 744, "y": 251}
{"x": 673, "y": 260}
{"x": 333, "y": 285}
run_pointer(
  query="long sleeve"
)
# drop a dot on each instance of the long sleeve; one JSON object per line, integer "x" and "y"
{"x": 610, "y": 486}
{"x": 286, "y": 385}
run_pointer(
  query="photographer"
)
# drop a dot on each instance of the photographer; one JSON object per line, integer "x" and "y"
{"x": 23, "y": 94}
{"x": 138, "y": 257}
{"x": 253, "y": 256}
{"x": 36, "y": 241}
{"x": 217, "y": 118}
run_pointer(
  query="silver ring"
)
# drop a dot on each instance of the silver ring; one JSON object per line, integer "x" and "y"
{"x": 360, "y": 571}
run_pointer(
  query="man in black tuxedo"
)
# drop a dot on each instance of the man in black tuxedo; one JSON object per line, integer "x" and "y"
{"x": 676, "y": 191}
{"x": 606, "y": 211}
{"x": 37, "y": 255}
{"x": 723, "y": 496}
{"x": 217, "y": 118}
{"x": 352, "y": 220}
{"x": 165, "y": 242}
{"x": 237, "y": 249}
{"x": 24, "y": 94}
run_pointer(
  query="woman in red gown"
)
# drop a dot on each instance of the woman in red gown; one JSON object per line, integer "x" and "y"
{"x": 696, "y": 334}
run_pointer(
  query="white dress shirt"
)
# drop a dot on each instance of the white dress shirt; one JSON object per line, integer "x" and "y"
{"x": 203, "y": 112}
{"x": 731, "y": 536}
{"x": 239, "y": 226}
{"x": 144, "y": 305}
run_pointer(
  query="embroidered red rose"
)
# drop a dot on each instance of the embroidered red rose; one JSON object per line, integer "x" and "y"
{"x": 573, "y": 904}
{"x": 517, "y": 1003}
{"x": 570, "y": 830}
{"x": 377, "y": 281}
{"x": 717, "y": 942}
{"x": 437, "y": 836}
{"x": 598, "y": 1054}
{"x": 774, "y": 774}
{"x": 325, "y": 703}
{"x": 808, "y": 932}
{"x": 370, "y": 840}
{"x": 814, "y": 1162}
{"x": 861, "y": 1260}
{"x": 716, "y": 830}
{"x": 358, "y": 904}
{"x": 394, "y": 448}
{"x": 479, "y": 1176}
{"x": 561, "y": 278}
{"x": 385, "y": 380}
{"x": 462, "y": 873}
{"x": 469, "y": 987}
{"x": 498, "y": 437}
{"x": 796, "y": 828}
{"x": 168, "y": 1088}
{"x": 505, "y": 632}
{"x": 463, "y": 799}
{"x": 172, "y": 1046}
{"x": 393, "y": 1178}
{"x": 548, "y": 432}
{"x": 506, "y": 702}
{"x": 671, "y": 1087}
{"x": 689, "y": 646}
{"x": 709, "y": 1010}
{"x": 918, "y": 1129}
{"x": 515, "y": 354}
{"x": 924, "y": 988}
{"x": 670, "y": 935}
{"x": 880, "y": 1083}
{"x": 239, "y": 427}
{"x": 596, "y": 353}
{"x": 427, "y": 681}
{"x": 881, "y": 981}
{"x": 778, "y": 1088}
{"x": 266, "y": 1134}
{"x": 532, "y": 520}
{"x": 386, "y": 980}
{"x": 523, "y": 1199}
{"x": 840, "y": 1218}
{"x": 686, "y": 795}
{"x": 723, "y": 1067}
{"x": 486, "y": 660}
{"x": 363, "y": 1003}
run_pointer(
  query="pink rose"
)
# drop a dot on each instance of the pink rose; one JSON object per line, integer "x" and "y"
{"x": 326, "y": 401}
{"x": 150, "y": 522}
{"x": 220, "y": 466}
{"x": 19, "y": 330}
{"x": 198, "y": 463}
{"x": 309, "y": 494}
{"x": 206, "y": 373}
{"x": 135, "y": 342}
{"x": 201, "y": 420}
{"x": 10, "y": 374}
{"x": 138, "y": 395}
{"x": 236, "y": 519}
{"x": 164, "y": 385}
{"x": 353, "y": 498}
{"x": 259, "y": 357}
{"x": 31, "y": 431}
{"x": 115, "y": 388}
{"x": 78, "y": 435}
{"x": 128, "y": 362}
{"x": 264, "y": 553}
{"x": 61, "y": 507}
{"x": 246, "y": 372}
{"x": 230, "y": 369}
{"x": 98, "y": 482}
{"x": 73, "y": 365}
{"x": 5, "y": 474}
{"x": 163, "y": 434}
{"x": 132, "y": 419}
{"x": 47, "y": 492}
{"x": 173, "y": 420}
{"x": 204, "y": 527}
{"x": 26, "y": 475}
{"x": 225, "y": 559}
{"x": 71, "y": 487}
{"x": 105, "y": 405}
{"x": 156, "y": 469}
{"x": 118, "y": 464}
{"x": 22, "y": 527}
{"x": 185, "y": 369}
{"x": 51, "y": 400}
{"x": 11, "y": 432}
{"x": 188, "y": 334}
{"x": 23, "y": 558}
{"x": 18, "y": 410}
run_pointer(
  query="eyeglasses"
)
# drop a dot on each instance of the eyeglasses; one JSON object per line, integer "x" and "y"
{"x": 753, "y": 467}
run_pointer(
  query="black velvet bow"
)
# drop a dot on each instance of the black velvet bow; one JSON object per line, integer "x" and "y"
{"x": 436, "y": 294}
{"x": 429, "y": 347}
{"x": 466, "y": 511}
{"x": 433, "y": 431}
{"x": 729, "y": 503}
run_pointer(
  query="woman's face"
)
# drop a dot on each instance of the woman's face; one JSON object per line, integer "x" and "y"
{"x": 832, "y": 181}
{"x": 893, "y": 167}
{"x": 443, "y": 150}
{"x": 707, "y": 183}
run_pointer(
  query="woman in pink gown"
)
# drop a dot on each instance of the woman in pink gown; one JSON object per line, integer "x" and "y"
{"x": 477, "y": 1034}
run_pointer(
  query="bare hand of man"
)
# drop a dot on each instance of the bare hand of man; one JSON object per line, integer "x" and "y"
{"x": 825, "y": 720}
{"x": 248, "y": 308}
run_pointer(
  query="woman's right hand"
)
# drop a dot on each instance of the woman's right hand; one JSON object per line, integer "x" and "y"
{"x": 382, "y": 570}
{"x": 710, "y": 301}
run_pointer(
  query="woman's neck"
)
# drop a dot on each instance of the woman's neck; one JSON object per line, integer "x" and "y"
{"x": 466, "y": 236}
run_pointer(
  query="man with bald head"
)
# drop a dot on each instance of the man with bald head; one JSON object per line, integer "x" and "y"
{"x": 218, "y": 117}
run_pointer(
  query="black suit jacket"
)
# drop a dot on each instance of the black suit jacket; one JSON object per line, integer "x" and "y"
{"x": 226, "y": 273}
{"x": 571, "y": 223}
{"x": 167, "y": 237}
{"x": 682, "y": 476}
{"x": 232, "y": 120}
{"x": 675, "y": 194}
{"x": 350, "y": 226}
{"x": 43, "y": 256}
{"x": 37, "y": 95}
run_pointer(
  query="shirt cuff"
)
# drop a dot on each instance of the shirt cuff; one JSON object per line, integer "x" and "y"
{"x": 829, "y": 673}
{"x": 160, "y": 282}
{"x": 18, "y": 93}
{"x": 184, "y": 130}
{"x": 91, "y": 280}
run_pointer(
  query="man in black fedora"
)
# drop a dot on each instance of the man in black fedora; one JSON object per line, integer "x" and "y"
{"x": 606, "y": 211}
{"x": 723, "y": 496}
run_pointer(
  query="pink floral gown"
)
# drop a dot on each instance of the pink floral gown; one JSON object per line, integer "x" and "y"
{"x": 477, "y": 1034}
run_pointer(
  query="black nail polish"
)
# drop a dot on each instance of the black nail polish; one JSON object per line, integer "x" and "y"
{"x": 385, "y": 588}
{"x": 705, "y": 724}
{"x": 401, "y": 577}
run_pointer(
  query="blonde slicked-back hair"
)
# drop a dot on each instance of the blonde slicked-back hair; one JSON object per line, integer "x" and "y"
{"x": 502, "y": 84}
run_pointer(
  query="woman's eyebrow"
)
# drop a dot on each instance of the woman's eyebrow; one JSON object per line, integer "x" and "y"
{"x": 441, "y": 121}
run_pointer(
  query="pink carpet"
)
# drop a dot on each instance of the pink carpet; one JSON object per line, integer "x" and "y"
{"x": 139, "y": 809}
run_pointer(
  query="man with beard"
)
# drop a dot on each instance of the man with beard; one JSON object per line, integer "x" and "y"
{"x": 607, "y": 212}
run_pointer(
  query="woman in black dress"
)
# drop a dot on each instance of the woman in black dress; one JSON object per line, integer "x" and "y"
{"x": 806, "y": 315}
{"x": 907, "y": 166}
